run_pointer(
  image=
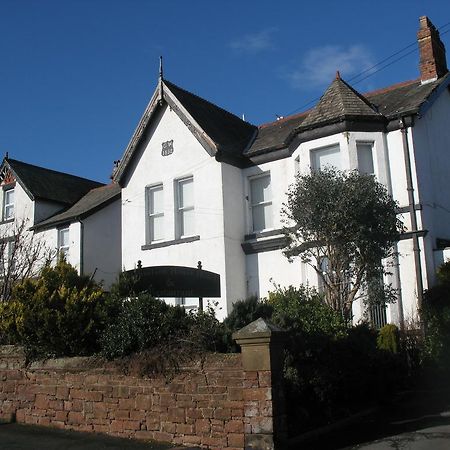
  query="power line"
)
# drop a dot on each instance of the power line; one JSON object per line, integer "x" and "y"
{"x": 373, "y": 72}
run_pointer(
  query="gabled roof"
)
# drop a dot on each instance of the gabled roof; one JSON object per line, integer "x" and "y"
{"x": 339, "y": 102}
{"x": 230, "y": 133}
{"x": 92, "y": 202}
{"x": 50, "y": 185}
{"x": 221, "y": 133}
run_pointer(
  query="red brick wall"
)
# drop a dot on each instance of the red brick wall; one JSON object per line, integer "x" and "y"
{"x": 212, "y": 405}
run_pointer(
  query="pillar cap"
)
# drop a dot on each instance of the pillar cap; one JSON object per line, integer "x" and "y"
{"x": 257, "y": 330}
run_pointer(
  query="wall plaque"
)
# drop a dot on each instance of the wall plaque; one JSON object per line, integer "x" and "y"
{"x": 167, "y": 148}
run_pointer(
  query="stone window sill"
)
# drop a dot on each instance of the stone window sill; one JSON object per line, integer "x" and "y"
{"x": 184, "y": 240}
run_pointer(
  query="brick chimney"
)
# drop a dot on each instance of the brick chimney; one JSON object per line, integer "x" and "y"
{"x": 433, "y": 63}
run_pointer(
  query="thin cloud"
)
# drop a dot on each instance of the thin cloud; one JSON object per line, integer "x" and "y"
{"x": 319, "y": 66}
{"x": 254, "y": 43}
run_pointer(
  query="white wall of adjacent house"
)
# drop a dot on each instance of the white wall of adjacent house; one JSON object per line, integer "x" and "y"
{"x": 102, "y": 244}
{"x": 431, "y": 135}
{"x": 44, "y": 209}
{"x": 206, "y": 220}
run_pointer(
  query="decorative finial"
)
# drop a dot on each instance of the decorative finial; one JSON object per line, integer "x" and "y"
{"x": 161, "y": 67}
{"x": 338, "y": 75}
{"x": 6, "y": 155}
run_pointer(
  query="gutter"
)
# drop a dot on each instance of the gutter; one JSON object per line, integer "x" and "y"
{"x": 412, "y": 212}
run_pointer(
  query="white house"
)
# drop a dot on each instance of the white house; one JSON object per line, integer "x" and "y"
{"x": 62, "y": 213}
{"x": 200, "y": 184}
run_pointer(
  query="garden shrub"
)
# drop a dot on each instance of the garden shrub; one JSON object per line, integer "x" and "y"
{"x": 389, "y": 338}
{"x": 57, "y": 314}
{"x": 244, "y": 312}
{"x": 436, "y": 316}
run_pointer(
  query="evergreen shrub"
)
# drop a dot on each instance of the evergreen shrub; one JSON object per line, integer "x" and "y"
{"x": 57, "y": 314}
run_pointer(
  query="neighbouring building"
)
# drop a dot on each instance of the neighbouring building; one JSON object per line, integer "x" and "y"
{"x": 200, "y": 184}
{"x": 61, "y": 213}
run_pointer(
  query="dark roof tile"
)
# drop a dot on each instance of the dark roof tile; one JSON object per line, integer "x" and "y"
{"x": 230, "y": 133}
{"x": 93, "y": 201}
{"x": 46, "y": 184}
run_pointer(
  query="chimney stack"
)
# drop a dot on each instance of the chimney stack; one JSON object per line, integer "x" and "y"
{"x": 433, "y": 63}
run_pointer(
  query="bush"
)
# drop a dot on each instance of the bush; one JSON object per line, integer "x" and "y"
{"x": 389, "y": 338}
{"x": 303, "y": 310}
{"x": 436, "y": 316}
{"x": 58, "y": 314}
{"x": 243, "y": 313}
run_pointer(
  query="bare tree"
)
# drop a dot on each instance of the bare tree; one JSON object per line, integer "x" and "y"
{"x": 22, "y": 255}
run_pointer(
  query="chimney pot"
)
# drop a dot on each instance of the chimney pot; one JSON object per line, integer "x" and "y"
{"x": 433, "y": 63}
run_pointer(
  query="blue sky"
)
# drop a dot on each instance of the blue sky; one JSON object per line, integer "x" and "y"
{"x": 75, "y": 76}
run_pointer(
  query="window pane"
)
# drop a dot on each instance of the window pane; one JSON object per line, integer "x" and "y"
{"x": 187, "y": 226}
{"x": 262, "y": 217}
{"x": 9, "y": 196}
{"x": 260, "y": 189}
{"x": 8, "y": 204}
{"x": 156, "y": 200}
{"x": 157, "y": 228}
{"x": 64, "y": 237}
{"x": 365, "y": 158}
{"x": 186, "y": 193}
{"x": 327, "y": 157}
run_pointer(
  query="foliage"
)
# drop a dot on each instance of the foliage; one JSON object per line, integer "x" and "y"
{"x": 389, "y": 338}
{"x": 244, "y": 312}
{"x": 343, "y": 225}
{"x": 303, "y": 310}
{"x": 22, "y": 255}
{"x": 436, "y": 315}
{"x": 57, "y": 314}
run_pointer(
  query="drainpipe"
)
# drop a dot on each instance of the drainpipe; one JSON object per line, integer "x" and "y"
{"x": 81, "y": 247}
{"x": 412, "y": 212}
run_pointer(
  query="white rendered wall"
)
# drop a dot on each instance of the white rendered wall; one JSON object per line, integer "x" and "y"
{"x": 44, "y": 209}
{"x": 234, "y": 217}
{"x": 188, "y": 159}
{"x": 102, "y": 244}
{"x": 431, "y": 135}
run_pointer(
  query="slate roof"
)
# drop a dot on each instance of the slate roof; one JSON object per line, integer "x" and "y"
{"x": 403, "y": 98}
{"x": 341, "y": 100}
{"x": 230, "y": 133}
{"x": 94, "y": 200}
{"x": 47, "y": 184}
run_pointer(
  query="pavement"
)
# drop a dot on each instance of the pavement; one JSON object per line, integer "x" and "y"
{"x": 28, "y": 437}
{"x": 414, "y": 420}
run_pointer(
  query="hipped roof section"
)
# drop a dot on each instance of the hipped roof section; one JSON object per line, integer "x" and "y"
{"x": 50, "y": 185}
{"x": 221, "y": 133}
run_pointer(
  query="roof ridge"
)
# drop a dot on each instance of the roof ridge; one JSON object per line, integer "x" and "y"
{"x": 391, "y": 87}
{"x": 209, "y": 102}
{"x": 285, "y": 118}
{"x": 53, "y": 170}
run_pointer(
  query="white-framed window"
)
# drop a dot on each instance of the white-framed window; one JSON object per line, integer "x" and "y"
{"x": 185, "y": 219}
{"x": 63, "y": 242}
{"x": 8, "y": 204}
{"x": 155, "y": 213}
{"x": 326, "y": 157}
{"x": 261, "y": 202}
{"x": 364, "y": 152}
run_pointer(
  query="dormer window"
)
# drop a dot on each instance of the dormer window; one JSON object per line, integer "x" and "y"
{"x": 8, "y": 204}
